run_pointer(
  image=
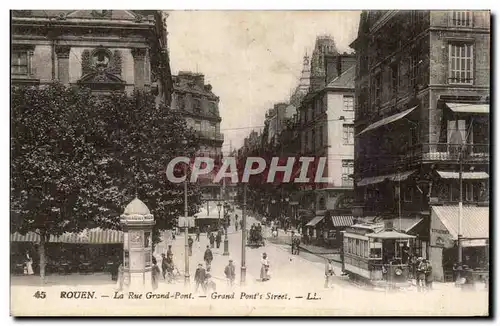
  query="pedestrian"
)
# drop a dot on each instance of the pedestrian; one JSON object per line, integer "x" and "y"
{"x": 230, "y": 273}
{"x": 212, "y": 240}
{"x": 329, "y": 273}
{"x": 236, "y": 226}
{"x": 29, "y": 264}
{"x": 264, "y": 269}
{"x": 163, "y": 265}
{"x": 169, "y": 252}
{"x": 428, "y": 275}
{"x": 241, "y": 225}
{"x": 170, "y": 270}
{"x": 218, "y": 238}
{"x": 190, "y": 245}
{"x": 208, "y": 257}
{"x": 173, "y": 233}
{"x": 119, "y": 283}
{"x": 198, "y": 234}
{"x": 200, "y": 278}
{"x": 155, "y": 274}
{"x": 421, "y": 268}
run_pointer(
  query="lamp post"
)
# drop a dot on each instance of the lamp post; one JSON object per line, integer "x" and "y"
{"x": 186, "y": 225}
{"x": 226, "y": 241}
{"x": 219, "y": 206}
{"x": 243, "y": 237}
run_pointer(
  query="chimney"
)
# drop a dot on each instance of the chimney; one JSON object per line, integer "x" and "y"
{"x": 199, "y": 80}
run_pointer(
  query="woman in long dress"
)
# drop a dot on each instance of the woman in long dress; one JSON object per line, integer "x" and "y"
{"x": 119, "y": 283}
{"x": 264, "y": 269}
{"x": 29, "y": 264}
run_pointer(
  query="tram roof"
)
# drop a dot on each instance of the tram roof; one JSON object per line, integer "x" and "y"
{"x": 390, "y": 234}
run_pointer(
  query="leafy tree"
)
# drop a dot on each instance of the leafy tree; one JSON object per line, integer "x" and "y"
{"x": 77, "y": 159}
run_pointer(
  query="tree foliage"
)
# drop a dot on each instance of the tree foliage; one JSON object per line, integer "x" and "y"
{"x": 78, "y": 158}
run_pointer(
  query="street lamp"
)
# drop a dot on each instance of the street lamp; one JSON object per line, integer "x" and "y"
{"x": 219, "y": 206}
{"x": 186, "y": 225}
{"x": 226, "y": 241}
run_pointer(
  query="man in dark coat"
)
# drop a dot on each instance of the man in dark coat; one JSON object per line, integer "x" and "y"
{"x": 198, "y": 234}
{"x": 200, "y": 277}
{"x": 163, "y": 265}
{"x": 208, "y": 257}
{"x": 190, "y": 245}
{"x": 212, "y": 240}
{"x": 230, "y": 273}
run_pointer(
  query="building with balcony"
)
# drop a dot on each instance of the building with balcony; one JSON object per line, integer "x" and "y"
{"x": 421, "y": 113}
{"x": 200, "y": 107}
{"x": 326, "y": 118}
{"x": 105, "y": 50}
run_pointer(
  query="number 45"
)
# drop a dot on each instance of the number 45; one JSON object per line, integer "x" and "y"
{"x": 39, "y": 294}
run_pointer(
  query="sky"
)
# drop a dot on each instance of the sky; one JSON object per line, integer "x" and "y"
{"x": 252, "y": 59}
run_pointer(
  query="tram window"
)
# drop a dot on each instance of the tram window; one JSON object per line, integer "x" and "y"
{"x": 357, "y": 247}
{"x": 376, "y": 253}
{"x": 367, "y": 250}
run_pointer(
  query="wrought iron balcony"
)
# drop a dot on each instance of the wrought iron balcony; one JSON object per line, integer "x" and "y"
{"x": 217, "y": 136}
{"x": 428, "y": 152}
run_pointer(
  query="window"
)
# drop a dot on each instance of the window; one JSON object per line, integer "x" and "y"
{"x": 181, "y": 101}
{"x": 306, "y": 141}
{"x": 357, "y": 247}
{"x": 318, "y": 106}
{"x": 461, "y": 18}
{"x": 460, "y": 63}
{"x": 321, "y": 136}
{"x": 348, "y": 103}
{"x": 413, "y": 73}
{"x": 197, "y": 105}
{"x": 377, "y": 87}
{"x": 310, "y": 113}
{"x": 313, "y": 139}
{"x": 19, "y": 64}
{"x": 348, "y": 134}
{"x": 407, "y": 194}
{"x": 395, "y": 78}
{"x": 212, "y": 108}
{"x": 197, "y": 126}
{"x": 469, "y": 192}
{"x": 347, "y": 172}
{"x": 213, "y": 130}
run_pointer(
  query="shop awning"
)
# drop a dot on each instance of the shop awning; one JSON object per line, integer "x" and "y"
{"x": 390, "y": 235}
{"x": 340, "y": 221}
{"x": 475, "y": 221}
{"x": 315, "y": 220}
{"x": 393, "y": 177}
{"x": 93, "y": 236}
{"x": 465, "y": 175}
{"x": 469, "y": 108}
{"x": 387, "y": 120}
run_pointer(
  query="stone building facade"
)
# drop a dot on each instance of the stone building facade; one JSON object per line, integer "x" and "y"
{"x": 106, "y": 50}
{"x": 200, "y": 107}
{"x": 422, "y": 108}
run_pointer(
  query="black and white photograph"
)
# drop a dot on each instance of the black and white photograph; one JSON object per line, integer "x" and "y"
{"x": 326, "y": 163}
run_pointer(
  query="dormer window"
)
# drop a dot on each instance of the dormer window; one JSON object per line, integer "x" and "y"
{"x": 213, "y": 108}
{"x": 197, "y": 105}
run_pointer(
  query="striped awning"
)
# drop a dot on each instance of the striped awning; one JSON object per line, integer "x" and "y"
{"x": 93, "y": 236}
{"x": 343, "y": 220}
{"x": 469, "y": 107}
{"x": 475, "y": 221}
{"x": 388, "y": 120}
{"x": 401, "y": 176}
{"x": 465, "y": 175}
{"x": 315, "y": 220}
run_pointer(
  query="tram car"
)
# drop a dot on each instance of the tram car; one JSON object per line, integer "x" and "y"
{"x": 376, "y": 255}
{"x": 255, "y": 238}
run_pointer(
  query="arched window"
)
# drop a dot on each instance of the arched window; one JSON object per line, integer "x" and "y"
{"x": 322, "y": 203}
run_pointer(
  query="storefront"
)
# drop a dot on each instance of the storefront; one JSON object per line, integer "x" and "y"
{"x": 444, "y": 231}
{"x": 91, "y": 250}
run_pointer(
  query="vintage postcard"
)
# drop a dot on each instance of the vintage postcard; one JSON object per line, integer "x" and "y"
{"x": 250, "y": 163}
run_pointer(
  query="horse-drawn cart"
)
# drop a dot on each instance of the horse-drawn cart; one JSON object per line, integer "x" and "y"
{"x": 255, "y": 238}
